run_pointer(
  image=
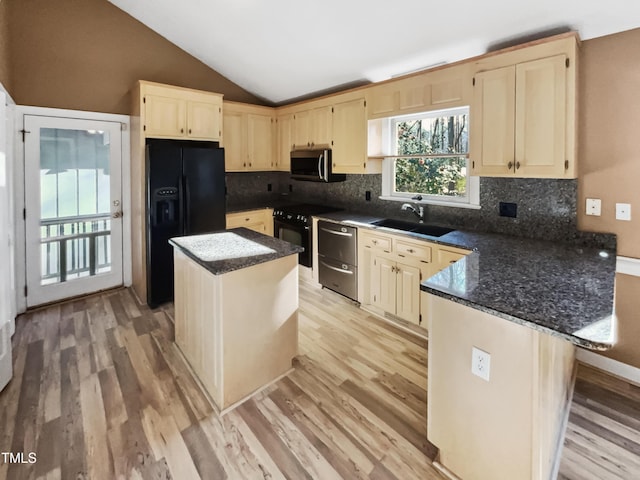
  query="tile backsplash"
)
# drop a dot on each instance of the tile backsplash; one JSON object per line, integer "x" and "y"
{"x": 546, "y": 208}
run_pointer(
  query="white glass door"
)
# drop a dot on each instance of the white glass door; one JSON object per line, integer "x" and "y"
{"x": 73, "y": 207}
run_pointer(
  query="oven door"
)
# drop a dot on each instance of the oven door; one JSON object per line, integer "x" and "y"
{"x": 296, "y": 234}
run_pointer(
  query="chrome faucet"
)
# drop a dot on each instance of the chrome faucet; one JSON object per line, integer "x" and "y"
{"x": 419, "y": 212}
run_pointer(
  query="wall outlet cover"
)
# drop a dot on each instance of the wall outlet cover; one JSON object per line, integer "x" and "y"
{"x": 480, "y": 363}
{"x": 508, "y": 209}
{"x": 594, "y": 206}
{"x": 269, "y": 187}
{"x": 623, "y": 211}
{"x": 367, "y": 195}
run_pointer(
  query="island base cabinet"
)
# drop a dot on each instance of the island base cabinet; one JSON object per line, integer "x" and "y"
{"x": 511, "y": 426}
{"x": 239, "y": 330}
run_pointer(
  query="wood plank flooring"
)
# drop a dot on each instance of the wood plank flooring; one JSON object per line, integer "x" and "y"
{"x": 100, "y": 391}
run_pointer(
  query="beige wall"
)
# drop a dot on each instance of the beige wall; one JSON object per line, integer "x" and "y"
{"x": 87, "y": 55}
{"x": 609, "y": 139}
{"x": 4, "y": 46}
{"x": 609, "y": 135}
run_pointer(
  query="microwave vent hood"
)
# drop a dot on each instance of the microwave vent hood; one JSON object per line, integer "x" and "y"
{"x": 314, "y": 165}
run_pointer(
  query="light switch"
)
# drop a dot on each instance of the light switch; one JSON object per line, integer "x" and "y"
{"x": 623, "y": 211}
{"x": 594, "y": 206}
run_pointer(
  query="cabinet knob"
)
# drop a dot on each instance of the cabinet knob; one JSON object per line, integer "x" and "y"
{"x": 244, "y": 164}
{"x": 189, "y": 131}
{"x": 517, "y": 165}
{"x": 182, "y": 130}
{"x": 375, "y": 242}
{"x": 246, "y": 219}
{"x": 510, "y": 165}
{"x": 249, "y": 163}
{"x": 312, "y": 144}
{"x": 410, "y": 250}
{"x": 308, "y": 144}
{"x": 334, "y": 164}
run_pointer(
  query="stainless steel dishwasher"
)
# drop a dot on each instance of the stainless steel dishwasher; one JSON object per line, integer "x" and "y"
{"x": 338, "y": 258}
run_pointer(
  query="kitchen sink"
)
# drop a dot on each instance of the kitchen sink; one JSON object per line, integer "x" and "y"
{"x": 421, "y": 228}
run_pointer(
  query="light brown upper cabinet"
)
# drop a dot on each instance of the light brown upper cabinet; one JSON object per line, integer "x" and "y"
{"x": 441, "y": 88}
{"x": 522, "y": 121}
{"x": 312, "y": 127}
{"x": 284, "y": 142}
{"x": 349, "y": 144}
{"x": 249, "y": 137}
{"x": 180, "y": 113}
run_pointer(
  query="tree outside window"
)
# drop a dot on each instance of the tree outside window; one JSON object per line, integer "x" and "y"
{"x": 436, "y": 146}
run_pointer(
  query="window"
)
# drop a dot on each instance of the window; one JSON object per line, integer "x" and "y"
{"x": 430, "y": 158}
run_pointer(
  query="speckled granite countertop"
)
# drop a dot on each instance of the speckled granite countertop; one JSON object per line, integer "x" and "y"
{"x": 229, "y": 250}
{"x": 245, "y": 206}
{"x": 561, "y": 289}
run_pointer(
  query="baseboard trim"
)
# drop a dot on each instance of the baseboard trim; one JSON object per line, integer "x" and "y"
{"x": 609, "y": 365}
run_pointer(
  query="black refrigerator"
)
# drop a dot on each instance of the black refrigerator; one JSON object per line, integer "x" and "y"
{"x": 185, "y": 186}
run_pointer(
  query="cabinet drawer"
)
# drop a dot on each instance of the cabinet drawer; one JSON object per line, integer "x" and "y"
{"x": 419, "y": 252}
{"x": 377, "y": 242}
{"x": 244, "y": 219}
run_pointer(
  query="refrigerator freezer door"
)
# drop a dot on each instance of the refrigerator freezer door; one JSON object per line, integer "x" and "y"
{"x": 203, "y": 185}
{"x": 164, "y": 216}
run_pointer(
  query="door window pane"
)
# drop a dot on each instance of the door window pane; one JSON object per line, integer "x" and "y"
{"x": 75, "y": 204}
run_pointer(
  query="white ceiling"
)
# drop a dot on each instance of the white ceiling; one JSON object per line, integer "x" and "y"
{"x": 284, "y": 49}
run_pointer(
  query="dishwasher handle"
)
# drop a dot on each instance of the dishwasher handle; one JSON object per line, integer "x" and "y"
{"x": 335, "y": 232}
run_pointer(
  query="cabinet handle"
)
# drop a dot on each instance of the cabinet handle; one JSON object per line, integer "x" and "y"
{"x": 246, "y": 219}
{"x": 182, "y": 130}
{"x": 410, "y": 250}
{"x": 510, "y": 165}
{"x": 334, "y": 164}
{"x": 517, "y": 165}
{"x": 312, "y": 144}
{"x": 244, "y": 164}
{"x": 375, "y": 242}
{"x": 189, "y": 131}
{"x": 249, "y": 163}
{"x": 308, "y": 144}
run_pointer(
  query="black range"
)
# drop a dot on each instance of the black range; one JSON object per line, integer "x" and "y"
{"x": 292, "y": 223}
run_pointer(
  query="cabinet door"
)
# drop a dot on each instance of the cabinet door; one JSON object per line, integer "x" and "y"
{"x": 301, "y": 131}
{"x": 235, "y": 141}
{"x": 492, "y": 122}
{"x": 350, "y": 137}
{"x": 260, "y": 142}
{"x": 541, "y": 87}
{"x": 320, "y": 123}
{"x": 285, "y": 142}
{"x": 203, "y": 120}
{"x": 164, "y": 116}
{"x": 383, "y": 284}
{"x": 383, "y": 100}
{"x": 408, "y": 293}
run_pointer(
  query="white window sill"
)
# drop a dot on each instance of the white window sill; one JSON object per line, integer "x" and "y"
{"x": 442, "y": 203}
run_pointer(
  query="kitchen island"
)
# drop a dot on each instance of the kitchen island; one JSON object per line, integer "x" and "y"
{"x": 236, "y": 310}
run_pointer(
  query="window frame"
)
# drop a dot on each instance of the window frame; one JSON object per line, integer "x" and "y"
{"x": 472, "y": 197}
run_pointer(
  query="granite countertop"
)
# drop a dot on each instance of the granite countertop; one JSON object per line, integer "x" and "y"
{"x": 561, "y": 289}
{"x": 245, "y": 206}
{"x": 229, "y": 250}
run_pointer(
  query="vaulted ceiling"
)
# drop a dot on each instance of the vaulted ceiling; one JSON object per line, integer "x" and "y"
{"x": 286, "y": 49}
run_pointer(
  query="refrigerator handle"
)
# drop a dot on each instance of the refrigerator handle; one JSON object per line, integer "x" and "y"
{"x": 187, "y": 206}
{"x": 181, "y": 209}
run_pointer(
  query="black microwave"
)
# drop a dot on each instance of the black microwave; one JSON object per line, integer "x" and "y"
{"x": 314, "y": 166}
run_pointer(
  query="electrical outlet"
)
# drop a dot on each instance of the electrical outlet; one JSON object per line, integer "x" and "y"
{"x": 480, "y": 363}
{"x": 367, "y": 195}
{"x": 508, "y": 209}
{"x": 269, "y": 187}
{"x": 594, "y": 206}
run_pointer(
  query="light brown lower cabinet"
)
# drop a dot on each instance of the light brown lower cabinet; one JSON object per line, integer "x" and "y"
{"x": 234, "y": 346}
{"x": 392, "y": 268}
{"x": 511, "y": 425}
{"x": 257, "y": 220}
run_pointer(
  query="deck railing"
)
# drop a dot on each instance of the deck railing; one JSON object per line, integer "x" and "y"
{"x": 74, "y": 247}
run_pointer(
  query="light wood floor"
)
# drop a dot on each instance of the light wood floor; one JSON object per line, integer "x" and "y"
{"x": 100, "y": 392}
